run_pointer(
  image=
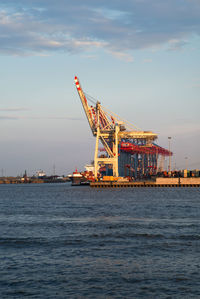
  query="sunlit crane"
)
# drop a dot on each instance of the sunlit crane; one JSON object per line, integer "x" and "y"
{"x": 118, "y": 136}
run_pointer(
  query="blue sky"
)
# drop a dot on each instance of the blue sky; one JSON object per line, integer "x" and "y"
{"x": 140, "y": 58}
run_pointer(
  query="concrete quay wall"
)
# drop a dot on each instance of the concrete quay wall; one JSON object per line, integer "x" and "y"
{"x": 159, "y": 182}
{"x": 190, "y": 180}
{"x": 185, "y": 181}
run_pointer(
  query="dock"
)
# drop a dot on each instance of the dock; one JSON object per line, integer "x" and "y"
{"x": 157, "y": 183}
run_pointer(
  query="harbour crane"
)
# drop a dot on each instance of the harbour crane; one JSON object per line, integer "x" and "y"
{"x": 125, "y": 144}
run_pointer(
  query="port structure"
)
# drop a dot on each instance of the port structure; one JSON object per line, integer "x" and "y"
{"x": 129, "y": 150}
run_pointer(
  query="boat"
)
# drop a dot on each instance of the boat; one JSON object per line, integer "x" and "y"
{"x": 77, "y": 179}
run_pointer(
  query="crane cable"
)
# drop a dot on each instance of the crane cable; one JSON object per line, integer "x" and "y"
{"x": 110, "y": 113}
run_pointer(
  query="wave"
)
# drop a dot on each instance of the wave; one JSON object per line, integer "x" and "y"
{"x": 39, "y": 242}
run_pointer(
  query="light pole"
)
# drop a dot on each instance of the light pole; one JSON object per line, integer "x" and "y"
{"x": 169, "y": 138}
{"x": 186, "y": 159}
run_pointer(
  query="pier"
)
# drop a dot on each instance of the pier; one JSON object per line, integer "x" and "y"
{"x": 157, "y": 183}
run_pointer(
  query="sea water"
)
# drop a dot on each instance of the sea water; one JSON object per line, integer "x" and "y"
{"x": 59, "y": 241}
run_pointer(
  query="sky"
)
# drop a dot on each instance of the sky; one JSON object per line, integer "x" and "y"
{"x": 139, "y": 58}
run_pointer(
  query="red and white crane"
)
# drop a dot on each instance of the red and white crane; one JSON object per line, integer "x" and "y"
{"x": 111, "y": 130}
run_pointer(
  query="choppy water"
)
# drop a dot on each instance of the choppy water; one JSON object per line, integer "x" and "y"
{"x": 58, "y": 241}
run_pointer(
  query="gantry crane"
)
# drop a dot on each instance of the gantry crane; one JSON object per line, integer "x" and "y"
{"x": 117, "y": 136}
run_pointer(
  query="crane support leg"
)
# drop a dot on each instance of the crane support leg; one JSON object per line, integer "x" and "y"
{"x": 96, "y": 155}
{"x": 115, "y": 159}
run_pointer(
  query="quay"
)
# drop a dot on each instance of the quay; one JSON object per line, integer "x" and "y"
{"x": 158, "y": 182}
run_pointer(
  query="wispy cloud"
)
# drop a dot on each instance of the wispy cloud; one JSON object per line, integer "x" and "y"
{"x": 176, "y": 44}
{"x": 55, "y": 117}
{"x": 123, "y": 56}
{"x": 7, "y": 117}
{"x": 13, "y": 109}
{"x": 196, "y": 85}
{"x": 20, "y": 117}
{"x": 40, "y": 27}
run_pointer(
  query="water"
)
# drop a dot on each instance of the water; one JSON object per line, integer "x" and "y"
{"x": 58, "y": 241}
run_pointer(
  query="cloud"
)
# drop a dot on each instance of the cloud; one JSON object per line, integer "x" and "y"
{"x": 56, "y": 118}
{"x": 40, "y": 27}
{"x": 6, "y": 117}
{"x": 11, "y": 117}
{"x": 176, "y": 44}
{"x": 28, "y": 117}
{"x": 123, "y": 56}
{"x": 196, "y": 85}
{"x": 13, "y": 109}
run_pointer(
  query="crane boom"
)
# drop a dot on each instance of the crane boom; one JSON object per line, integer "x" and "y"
{"x": 88, "y": 110}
